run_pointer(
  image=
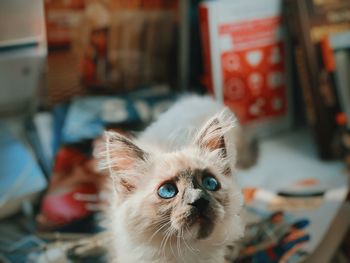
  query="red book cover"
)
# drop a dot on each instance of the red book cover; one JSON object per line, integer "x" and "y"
{"x": 205, "y": 38}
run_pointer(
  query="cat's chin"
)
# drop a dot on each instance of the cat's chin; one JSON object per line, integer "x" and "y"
{"x": 200, "y": 227}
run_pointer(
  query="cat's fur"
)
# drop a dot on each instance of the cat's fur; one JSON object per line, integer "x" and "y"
{"x": 194, "y": 138}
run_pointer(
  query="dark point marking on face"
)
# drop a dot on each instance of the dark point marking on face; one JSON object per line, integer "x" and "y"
{"x": 184, "y": 174}
{"x": 206, "y": 228}
{"x": 193, "y": 177}
{"x": 194, "y": 173}
{"x": 185, "y": 210}
{"x": 227, "y": 171}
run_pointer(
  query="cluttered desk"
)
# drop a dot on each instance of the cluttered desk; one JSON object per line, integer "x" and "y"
{"x": 290, "y": 178}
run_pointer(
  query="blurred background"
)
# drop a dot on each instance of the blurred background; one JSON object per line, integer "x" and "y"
{"x": 70, "y": 69}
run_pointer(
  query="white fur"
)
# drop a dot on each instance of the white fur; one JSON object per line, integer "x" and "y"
{"x": 176, "y": 127}
{"x": 170, "y": 140}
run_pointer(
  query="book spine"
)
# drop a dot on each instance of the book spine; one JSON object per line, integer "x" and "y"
{"x": 305, "y": 86}
{"x": 316, "y": 83}
{"x": 327, "y": 55}
{"x": 292, "y": 21}
{"x": 206, "y": 47}
{"x": 342, "y": 58}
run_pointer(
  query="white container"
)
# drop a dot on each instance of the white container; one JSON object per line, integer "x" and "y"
{"x": 23, "y": 51}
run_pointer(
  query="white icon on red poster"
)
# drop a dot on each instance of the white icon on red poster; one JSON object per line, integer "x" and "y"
{"x": 277, "y": 103}
{"x": 254, "y": 57}
{"x": 275, "y": 55}
{"x": 256, "y": 83}
{"x": 234, "y": 89}
{"x": 232, "y": 63}
{"x": 275, "y": 79}
{"x": 256, "y": 109}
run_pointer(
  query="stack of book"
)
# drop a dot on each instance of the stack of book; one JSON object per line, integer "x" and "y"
{"x": 319, "y": 31}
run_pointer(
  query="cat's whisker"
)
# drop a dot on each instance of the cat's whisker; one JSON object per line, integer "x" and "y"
{"x": 161, "y": 253}
{"x": 227, "y": 236}
{"x": 170, "y": 242}
{"x": 195, "y": 251}
{"x": 191, "y": 249}
{"x": 163, "y": 239}
{"x": 166, "y": 237}
{"x": 158, "y": 230}
{"x": 180, "y": 238}
{"x": 178, "y": 245}
{"x": 184, "y": 240}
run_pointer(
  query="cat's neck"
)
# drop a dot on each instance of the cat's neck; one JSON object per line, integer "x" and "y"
{"x": 127, "y": 249}
{"x": 174, "y": 252}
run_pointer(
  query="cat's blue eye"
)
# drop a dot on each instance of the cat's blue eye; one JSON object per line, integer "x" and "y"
{"x": 210, "y": 183}
{"x": 167, "y": 190}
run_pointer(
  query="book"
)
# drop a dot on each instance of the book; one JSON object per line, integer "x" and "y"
{"x": 20, "y": 175}
{"x": 342, "y": 60}
{"x": 309, "y": 24}
{"x": 245, "y": 61}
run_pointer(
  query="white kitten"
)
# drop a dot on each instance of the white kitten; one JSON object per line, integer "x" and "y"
{"x": 176, "y": 198}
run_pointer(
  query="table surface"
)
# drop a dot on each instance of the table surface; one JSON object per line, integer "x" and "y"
{"x": 292, "y": 157}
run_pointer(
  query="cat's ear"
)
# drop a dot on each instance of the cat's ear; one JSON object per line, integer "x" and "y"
{"x": 216, "y": 133}
{"x": 119, "y": 156}
{"x": 217, "y": 136}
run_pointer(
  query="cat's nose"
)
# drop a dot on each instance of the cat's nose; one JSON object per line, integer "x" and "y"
{"x": 201, "y": 204}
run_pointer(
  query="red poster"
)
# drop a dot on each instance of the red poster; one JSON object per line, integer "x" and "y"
{"x": 253, "y": 68}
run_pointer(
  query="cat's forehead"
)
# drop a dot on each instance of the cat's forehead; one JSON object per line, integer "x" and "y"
{"x": 181, "y": 164}
{"x": 189, "y": 174}
{"x": 186, "y": 168}
{"x": 186, "y": 176}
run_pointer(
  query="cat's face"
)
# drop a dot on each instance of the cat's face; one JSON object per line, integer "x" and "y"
{"x": 192, "y": 201}
{"x": 189, "y": 193}
{"x": 182, "y": 195}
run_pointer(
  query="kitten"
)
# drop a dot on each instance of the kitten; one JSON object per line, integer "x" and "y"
{"x": 175, "y": 197}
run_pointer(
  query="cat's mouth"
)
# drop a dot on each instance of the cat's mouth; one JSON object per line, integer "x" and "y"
{"x": 198, "y": 219}
{"x": 203, "y": 223}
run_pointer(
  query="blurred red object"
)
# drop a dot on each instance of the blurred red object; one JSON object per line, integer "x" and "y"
{"x": 74, "y": 175}
{"x": 61, "y": 17}
{"x": 88, "y": 70}
{"x": 245, "y": 62}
